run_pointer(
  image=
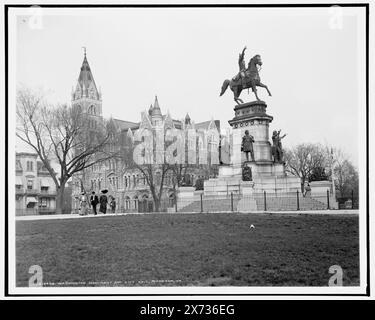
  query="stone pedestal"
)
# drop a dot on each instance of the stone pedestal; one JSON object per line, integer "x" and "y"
{"x": 266, "y": 175}
{"x": 319, "y": 190}
{"x": 185, "y": 196}
{"x": 247, "y": 188}
{"x": 247, "y": 202}
{"x": 251, "y": 116}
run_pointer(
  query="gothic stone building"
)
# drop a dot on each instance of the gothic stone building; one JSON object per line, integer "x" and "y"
{"x": 123, "y": 180}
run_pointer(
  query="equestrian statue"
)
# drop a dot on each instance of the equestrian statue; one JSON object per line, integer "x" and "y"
{"x": 246, "y": 78}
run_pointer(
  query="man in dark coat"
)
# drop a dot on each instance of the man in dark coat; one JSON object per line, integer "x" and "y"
{"x": 94, "y": 200}
{"x": 113, "y": 205}
{"x": 247, "y": 145}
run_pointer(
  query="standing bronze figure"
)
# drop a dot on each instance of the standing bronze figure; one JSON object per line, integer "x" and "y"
{"x": 246, "y": 78}
{"x": 247, "y": 145}
{"x": 277, "y": 148}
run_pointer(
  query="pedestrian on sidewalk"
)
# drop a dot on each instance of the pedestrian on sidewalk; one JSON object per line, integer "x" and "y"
{"x": 113, "y": 205}
{"x": 83, "y": 204}
{"x": 94, "y": 200}
{"x": 103, "y": 200}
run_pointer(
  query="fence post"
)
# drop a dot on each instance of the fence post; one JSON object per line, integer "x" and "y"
{"x": 231, "y": 201}
{"x": 265, "y": 200}
{"x": 175, "y": 202}
{"x": 327, "y": 199}
{"x": 297, "y": 200}
{"x": 201, "y": 202}
{"x": 352, "y": 199}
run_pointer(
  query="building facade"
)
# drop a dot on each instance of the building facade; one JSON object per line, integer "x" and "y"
{"x": 35, "y": 188}
{"x": 124, "y": 180}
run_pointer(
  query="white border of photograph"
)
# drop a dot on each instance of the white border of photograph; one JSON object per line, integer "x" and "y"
{"x": 144, "y": 291}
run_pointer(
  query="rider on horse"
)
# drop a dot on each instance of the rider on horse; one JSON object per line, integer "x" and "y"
{"x": 242, "y": 65}
{"x": 246, "y": 78}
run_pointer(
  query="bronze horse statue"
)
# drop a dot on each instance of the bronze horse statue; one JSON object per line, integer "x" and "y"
{"x": 246, "y": 78}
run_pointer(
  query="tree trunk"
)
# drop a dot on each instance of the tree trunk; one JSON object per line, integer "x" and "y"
{"x": 303, "y": 180}
{"x": 60, "y": 198}
{"x": 157, "y": 204}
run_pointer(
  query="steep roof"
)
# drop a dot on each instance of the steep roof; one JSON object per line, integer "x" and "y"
{"x": 124, "y": 125}
{"x": 205, "y": 125}
{"x": 156, "y": 109}
{"x": 86, "y": 79}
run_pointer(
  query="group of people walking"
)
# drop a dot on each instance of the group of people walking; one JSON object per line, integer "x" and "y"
{"x": 103, "y": 201}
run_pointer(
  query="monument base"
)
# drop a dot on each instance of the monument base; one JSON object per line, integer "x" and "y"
{"x": 266, "y": 176}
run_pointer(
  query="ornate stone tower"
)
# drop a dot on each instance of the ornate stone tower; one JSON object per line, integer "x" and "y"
{"x": 155, "y": 113}
{"x": 86, "y": 97}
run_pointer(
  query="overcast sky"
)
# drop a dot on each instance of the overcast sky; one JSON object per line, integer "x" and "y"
{"x": 184, "y": 55}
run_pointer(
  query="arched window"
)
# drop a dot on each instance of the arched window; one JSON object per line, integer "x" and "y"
{"x": 127, "y": 203}
{"x": 135, "y": 202}
{"x": 91, "y": 110}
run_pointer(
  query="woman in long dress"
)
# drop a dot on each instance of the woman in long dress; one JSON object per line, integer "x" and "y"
{"x": 83, "y": 204}
{"x": 103, "y": 203}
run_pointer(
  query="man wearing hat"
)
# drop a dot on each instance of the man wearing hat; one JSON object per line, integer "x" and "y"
{"x": 94, "y": 200}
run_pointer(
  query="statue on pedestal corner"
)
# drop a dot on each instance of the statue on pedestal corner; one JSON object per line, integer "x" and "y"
{"x": 246, "y": 173}
{"x": 277, "y": 148}
{"x": 247, "y": 145}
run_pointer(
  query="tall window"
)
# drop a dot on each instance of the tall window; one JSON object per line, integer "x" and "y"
{"x": 92, "y": 110}
{"x": 29, "y": 165}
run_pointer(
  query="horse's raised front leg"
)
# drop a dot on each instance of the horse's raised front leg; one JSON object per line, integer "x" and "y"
{"x": 264, "y": 86}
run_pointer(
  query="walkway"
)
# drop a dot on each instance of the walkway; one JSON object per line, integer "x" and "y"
{"x": 76, "y": 216}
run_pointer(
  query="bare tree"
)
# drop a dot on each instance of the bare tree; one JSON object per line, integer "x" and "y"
{"x": 154, "y": 174}
{"x": 155, "y": 179}
{"x": 344, "y": 172}
{"x": 303, "y": 159}
{"x": 62, "y": 134}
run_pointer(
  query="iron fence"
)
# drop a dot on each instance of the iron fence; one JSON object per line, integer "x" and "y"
{"x": 263, "y": 201}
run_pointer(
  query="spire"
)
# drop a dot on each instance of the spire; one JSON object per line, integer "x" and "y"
{"x": 150, "y": 110}
{"x": 156, "y": 104}
{"x": 86, "y": 80}
{"x": 156, "y": 109}
{"x": 187, "y": 119}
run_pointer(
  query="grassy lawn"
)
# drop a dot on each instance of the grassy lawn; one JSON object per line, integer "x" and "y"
{"x": 191, "y": 249}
